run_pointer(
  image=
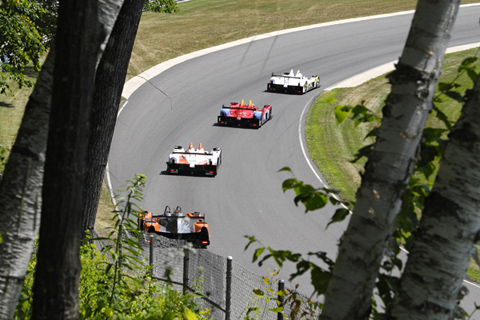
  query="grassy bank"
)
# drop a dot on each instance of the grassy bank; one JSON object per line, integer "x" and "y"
{"x": 332, "y": 146}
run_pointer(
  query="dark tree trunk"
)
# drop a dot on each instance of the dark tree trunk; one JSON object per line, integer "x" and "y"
{"x": 109, "y": 81}
{"x": 58, "y": 264}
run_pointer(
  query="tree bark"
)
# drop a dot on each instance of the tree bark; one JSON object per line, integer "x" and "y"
{"x": 20, "y": 191}
{"x": 55, "y": 289}
{"x": 449, "y": 228}
{"x": 82, "y": 27}
{"x": 390, "y": 163}
{"x": 109, "y": 81}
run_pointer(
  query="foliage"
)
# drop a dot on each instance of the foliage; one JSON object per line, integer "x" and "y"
{"x": 319, "y": 275}
{"x": 158, "y": 6}
{"x": 269, "y": 297}
{"x": 125, "y": 253}
{"x": 115, "y": 281}
{"x": 28, "y": 28}
{"x": 272, "y": 300}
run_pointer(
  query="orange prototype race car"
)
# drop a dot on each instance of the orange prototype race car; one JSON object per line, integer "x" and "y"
{"x": 239, "y": 114}
{"x": 175, "y": 225}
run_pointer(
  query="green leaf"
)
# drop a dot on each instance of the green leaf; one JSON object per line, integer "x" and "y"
{"x": 189, "y": 315}
{"x": 251, "y": 239}
{"x": 316, "y": 201}
{"x": 257, "y": 254}
{"x": 320, "y": 279}
{"x": 340, "y": 215}
{"x": 467, "y": 64}
{"x": 289, "y": 184}
{"x": 258, "y": 292}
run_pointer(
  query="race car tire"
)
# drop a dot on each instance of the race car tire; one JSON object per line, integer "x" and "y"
{"x": 141, "y": 225}
{"x": 270, "y": 113}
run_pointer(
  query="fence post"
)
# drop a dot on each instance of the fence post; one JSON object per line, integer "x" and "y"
{"x": 151, "y": 254}
{"x": 228, "y": 293}
{"x": 281, "y": 287}
{"x": 186, "y": 263}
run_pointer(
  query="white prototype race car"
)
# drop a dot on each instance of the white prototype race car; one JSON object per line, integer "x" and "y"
{"x": 290, "y": 82}
{"x": 194, "y": 161}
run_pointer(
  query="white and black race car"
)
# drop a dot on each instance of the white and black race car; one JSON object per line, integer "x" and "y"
{"x": 289, "y": 82}
{"x": 194, "y": 161}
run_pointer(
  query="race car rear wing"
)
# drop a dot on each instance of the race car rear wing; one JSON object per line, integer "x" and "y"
{"x": 285, "y": 76}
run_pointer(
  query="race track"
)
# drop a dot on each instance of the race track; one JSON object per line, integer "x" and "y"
{"x": 180, "y": 105}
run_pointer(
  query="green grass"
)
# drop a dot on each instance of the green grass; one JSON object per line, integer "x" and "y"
{"x": 11, "y": 113}
{"x": 332, "y": 146}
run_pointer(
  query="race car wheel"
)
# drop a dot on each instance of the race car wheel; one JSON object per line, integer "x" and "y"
{"x": 141, "y": 225}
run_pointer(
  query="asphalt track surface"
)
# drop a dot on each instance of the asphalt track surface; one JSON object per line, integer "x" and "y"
{"x": 178, "y": 102}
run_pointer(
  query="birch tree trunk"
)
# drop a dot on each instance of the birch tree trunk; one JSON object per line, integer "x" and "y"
{"x": 109, "y": 81}
{"x": 449, "y": 228}
{"x": 20, "y": 191}
{"x": 390, "y": 163}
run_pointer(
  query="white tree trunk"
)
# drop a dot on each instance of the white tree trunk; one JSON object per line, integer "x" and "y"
{"x": 449, "y": 228}
{"x": 21, "y": 185}
{"x": 20, "y": 192}
{"x": 390, "y": 163}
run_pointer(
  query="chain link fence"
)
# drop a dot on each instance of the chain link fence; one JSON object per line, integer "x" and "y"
{"x": 228, "y": 293}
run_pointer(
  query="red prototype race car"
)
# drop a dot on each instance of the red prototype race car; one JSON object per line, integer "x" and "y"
{"x": 175, "y": 225}
{"x": 239, "y": 114}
